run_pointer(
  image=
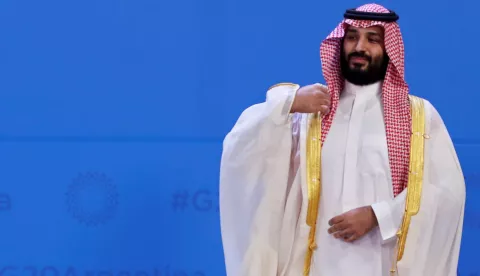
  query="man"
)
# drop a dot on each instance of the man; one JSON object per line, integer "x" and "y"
{"x": 359, "y": 178}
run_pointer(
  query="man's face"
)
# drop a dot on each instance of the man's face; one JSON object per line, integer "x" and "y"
{"x": 364, "y": 60}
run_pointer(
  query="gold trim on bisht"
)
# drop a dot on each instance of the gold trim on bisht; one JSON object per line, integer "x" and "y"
{"x": 281, "y": 84}
{"x": 415, "y": 176}
{"x": 314, "y": 146}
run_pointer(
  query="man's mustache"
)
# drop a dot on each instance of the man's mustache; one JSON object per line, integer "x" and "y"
{"x": 360, "y": 55}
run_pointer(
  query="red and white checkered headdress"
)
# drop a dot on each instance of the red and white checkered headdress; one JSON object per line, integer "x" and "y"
{"x": 394, "y": 90}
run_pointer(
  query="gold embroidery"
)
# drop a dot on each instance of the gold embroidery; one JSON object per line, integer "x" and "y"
{"x": 415, "y": 176}
{"x": 282, "y": 83}
{"x": 314, "y": 145}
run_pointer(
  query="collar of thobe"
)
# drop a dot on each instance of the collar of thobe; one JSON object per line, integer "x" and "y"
{"x": 360, "y": 90}
{"x": 367, "y": 94}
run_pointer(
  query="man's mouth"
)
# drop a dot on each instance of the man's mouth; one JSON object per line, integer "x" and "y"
{"x": 358, "y": 60}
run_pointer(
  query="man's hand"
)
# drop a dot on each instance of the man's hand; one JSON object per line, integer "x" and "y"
{"x": 353, "y": 224}
{"x": 311, "y": 99}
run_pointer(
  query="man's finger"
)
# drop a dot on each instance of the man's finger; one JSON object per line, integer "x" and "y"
{"x": 345, "y": 234}
{"x": 322, "y": 87}
{"x": 324, "y": 109}
{"x": 338, "y": 227}
{"x": 351, "y": 238}
{"x": 323, "y": 101}
{"x": 335, "y": 220}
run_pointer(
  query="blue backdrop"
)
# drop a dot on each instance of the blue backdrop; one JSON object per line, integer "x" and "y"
{"x": 113, "y": 113}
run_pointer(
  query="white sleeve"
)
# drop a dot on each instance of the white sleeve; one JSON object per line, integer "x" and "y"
{"x": 389, "y": 215}
{"x": 254, "y": 173}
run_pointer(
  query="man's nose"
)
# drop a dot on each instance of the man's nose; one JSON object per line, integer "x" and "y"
{"x": 361, "y": 46}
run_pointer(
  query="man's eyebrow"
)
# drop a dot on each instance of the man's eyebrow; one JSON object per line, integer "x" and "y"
{"x": 374, "y": 34}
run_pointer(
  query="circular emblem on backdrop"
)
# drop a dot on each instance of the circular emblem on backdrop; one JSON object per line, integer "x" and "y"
{"x": 92, "y": 198}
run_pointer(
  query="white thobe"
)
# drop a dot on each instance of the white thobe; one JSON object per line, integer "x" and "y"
{"x": 263, "y": 196}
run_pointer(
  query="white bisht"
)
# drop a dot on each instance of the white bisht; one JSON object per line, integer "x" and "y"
{"x": 264, "y": 196}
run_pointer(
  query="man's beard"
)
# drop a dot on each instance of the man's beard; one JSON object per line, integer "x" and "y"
{"x": 374, "y": 72}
